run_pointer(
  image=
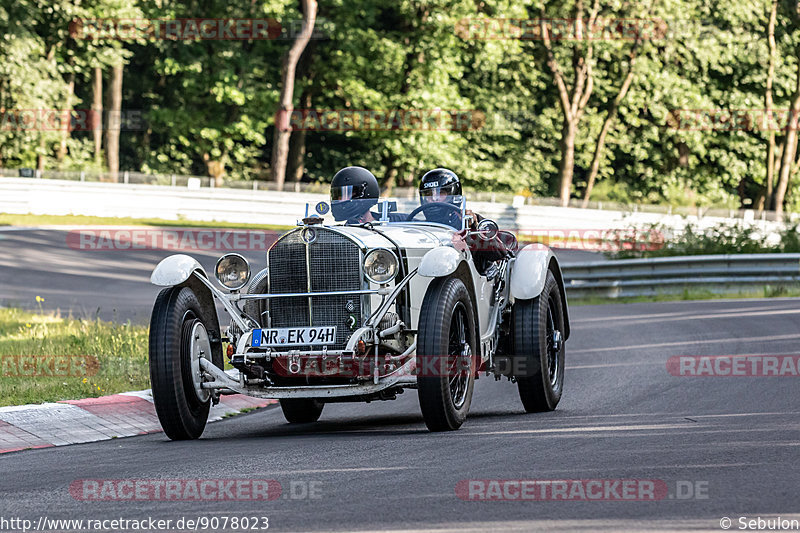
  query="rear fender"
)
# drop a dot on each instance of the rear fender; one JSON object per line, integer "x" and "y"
{"x": 530, "y": 272}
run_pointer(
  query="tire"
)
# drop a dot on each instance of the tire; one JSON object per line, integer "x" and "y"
{"x": 446, "y": 348}
{"x": 301, "y": 410}
{"x": 176, "y": 328}
{"x": 539, "y": 360}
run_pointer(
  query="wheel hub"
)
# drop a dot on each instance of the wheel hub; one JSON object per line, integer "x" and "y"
{"x": 199, "y": 348}
{"x": 557, "y": 338}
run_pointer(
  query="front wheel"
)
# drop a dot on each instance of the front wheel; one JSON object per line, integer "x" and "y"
{"x": 301, "y": 410}
{"x": 446, "y": 354}
{"x": 539, "y": 348}
{"x": 178, "y": 340}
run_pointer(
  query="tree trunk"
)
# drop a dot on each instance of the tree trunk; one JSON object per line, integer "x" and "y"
{"x": 283, "y": 129}
{"x": 40, "y": 157}
{"x": 114, "y": 120}
{"x": 97, "y": 115}
{"x": 390, "y": 181}
{"x": 62, "y": 145}
{"x": 789, "y": 150}
{"x": 598, "y": 153}
{"x": 216, "y": 168}
{"x": 297, "y": 145}
{"x": 601, "y": 139}
{"x": 770, "y": 178}
{"x": 567, "y": 166}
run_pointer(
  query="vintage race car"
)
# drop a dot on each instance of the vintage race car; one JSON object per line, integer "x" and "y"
{"x": 345, "y": 313}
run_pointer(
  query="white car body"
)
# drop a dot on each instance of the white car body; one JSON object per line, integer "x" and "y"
{"x": 427, "y": 251}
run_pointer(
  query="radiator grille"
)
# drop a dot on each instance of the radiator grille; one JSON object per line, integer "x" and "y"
{"x": 335, "y": 266}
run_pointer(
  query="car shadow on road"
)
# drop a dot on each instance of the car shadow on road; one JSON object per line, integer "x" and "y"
{"x": 374, "y": 425}
{"x": 379, "y": 425}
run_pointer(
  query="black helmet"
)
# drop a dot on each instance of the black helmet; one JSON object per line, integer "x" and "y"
{"x": 354, "y": 190}
{"x": 439, "y": 185}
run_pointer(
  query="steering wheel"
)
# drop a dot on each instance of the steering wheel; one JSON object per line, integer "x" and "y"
{"x": 431, "y": 205}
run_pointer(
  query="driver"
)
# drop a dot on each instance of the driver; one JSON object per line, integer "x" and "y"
{"x": 442, "y": 186}
{"x": 354, "y": 190}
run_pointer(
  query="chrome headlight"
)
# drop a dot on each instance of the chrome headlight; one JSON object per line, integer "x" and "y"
{"x": 232, "y": 271}
{"x": 380, "y": 266}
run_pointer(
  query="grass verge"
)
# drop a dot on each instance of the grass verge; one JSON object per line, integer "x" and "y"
{"x": 80, "y": 220}
{"x": 120, "y": 350}
{"x": 689, "y": 294}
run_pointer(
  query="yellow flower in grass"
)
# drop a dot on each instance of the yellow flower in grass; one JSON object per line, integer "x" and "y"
{"x": 28, "y": 325}
{"x": 39, "y": 299}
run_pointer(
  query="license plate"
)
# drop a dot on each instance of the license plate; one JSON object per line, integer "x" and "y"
{"x": 313, "y": 336}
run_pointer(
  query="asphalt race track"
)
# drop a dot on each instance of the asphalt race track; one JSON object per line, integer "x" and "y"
{"x": 733, "y": 441}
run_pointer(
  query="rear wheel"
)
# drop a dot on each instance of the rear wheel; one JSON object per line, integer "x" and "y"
{"x": 178, "y": 340}
{"x": 446, "y": 360}
{"x": 539, "y": 348}
{"x": 301, "y": 410}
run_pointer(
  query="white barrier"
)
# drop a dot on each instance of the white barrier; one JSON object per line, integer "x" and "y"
{"x": 62, "y": 197}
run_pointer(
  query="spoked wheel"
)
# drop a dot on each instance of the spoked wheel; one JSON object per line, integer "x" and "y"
{"x": 445, "y": 360}
{"x": 539, "y": 348}
{"x": 301, "y": 410}
{"x": 178, "y": 340}
{"x": 459, "y": 356}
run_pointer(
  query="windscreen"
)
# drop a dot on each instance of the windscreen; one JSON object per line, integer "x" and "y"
{"x": 446, "y": 210}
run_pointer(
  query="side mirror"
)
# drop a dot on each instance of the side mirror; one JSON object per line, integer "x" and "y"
{"x": 488, "y": 229}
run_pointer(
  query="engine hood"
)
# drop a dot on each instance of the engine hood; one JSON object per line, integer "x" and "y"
{"x": 407, "y": 236}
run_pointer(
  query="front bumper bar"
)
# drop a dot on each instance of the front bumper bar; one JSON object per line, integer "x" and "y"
{"x": 403, "y": 376}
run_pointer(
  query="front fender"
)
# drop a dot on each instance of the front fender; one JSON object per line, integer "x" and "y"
{"x": 438, "y": 262}
{"x": 174, "y": 270}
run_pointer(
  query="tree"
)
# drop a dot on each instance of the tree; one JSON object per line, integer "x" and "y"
{"x": 572, "y": 99}
{"x": 114, "y": 121}
{"x": 97, "y": 113}
{"x": 611, "y": 113}
{"x": 283, "y": 130}
{"x": 770, "y": 163}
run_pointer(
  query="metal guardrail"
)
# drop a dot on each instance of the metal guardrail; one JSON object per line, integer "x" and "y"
{"x": 670, "y": 275}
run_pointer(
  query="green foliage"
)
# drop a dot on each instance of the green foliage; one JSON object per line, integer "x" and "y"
{"x": 213, "y": 102}
{"x": 723, "y": 238}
